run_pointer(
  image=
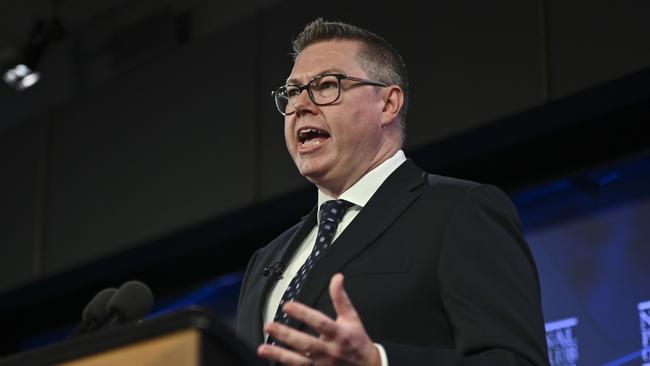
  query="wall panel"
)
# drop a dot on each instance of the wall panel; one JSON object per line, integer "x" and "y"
{"x": 21, "y": 179}
{"x": 592, "y": 42}
{"x": 162, "y": 147}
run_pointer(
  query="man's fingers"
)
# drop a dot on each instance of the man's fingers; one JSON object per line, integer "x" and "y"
{"x": 314, "y": 319}
{"x": 283, "y": 355}
{"x": 297, "y": 340}
{"x": 340, "y": 299}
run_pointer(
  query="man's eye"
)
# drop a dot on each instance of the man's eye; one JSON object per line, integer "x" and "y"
{"x": 325, "y": 84}
{"x": 292, "y": 92}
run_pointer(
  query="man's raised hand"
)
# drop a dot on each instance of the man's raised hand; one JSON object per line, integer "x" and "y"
{"x": 343, "y": 341}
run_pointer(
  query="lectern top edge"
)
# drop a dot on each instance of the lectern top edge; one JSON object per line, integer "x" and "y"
{"x": 216, "y": 336}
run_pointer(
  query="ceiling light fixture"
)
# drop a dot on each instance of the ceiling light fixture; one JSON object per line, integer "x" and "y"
{"x": 24, "y": 73}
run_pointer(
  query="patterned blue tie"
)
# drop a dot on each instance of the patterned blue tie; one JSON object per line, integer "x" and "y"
{"x": 331, "y": 213}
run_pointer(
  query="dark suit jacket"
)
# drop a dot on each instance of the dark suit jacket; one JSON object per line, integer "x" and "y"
{"x": 436, "y": 267}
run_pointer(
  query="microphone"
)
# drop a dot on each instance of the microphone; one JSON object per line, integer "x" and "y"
{"x": 129, "y": 304}
{"x": 94, "y": 312}
{"x": 275, "y": 269}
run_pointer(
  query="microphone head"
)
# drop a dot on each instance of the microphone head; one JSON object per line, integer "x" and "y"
{"x": 132, "y": 301}
{"x": 96, "y": 308}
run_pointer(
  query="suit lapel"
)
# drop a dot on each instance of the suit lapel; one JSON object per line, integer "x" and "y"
{"x": 282, "y": 255}
{"x": 391, "y": 199}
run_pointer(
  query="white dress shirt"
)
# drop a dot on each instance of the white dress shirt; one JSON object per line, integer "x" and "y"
{"x": 359, "y": 195}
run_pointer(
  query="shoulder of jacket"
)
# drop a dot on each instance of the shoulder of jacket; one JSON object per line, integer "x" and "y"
{"x": 450, "y": 182}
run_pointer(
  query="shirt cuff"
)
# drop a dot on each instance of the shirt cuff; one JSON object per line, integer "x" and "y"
{"x": 382, "y": 354}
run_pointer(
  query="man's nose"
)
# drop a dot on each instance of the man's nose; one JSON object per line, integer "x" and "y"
{"x": 303, "y": 101}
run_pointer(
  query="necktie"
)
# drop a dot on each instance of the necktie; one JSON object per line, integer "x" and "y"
{"x": 331, "y": 213}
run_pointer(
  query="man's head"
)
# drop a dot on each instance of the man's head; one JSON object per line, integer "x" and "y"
{"x": 379, "y": 59}
{"x": 334, "y": 142}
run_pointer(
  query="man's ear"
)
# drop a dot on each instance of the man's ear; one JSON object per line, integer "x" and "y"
{"x": 393, "y": 103}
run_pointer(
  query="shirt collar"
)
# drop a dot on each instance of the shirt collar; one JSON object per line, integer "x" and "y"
{"x": 361, "y": 191}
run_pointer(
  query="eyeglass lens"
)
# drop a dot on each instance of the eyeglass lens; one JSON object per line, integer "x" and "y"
{"x": 322, "y": 90}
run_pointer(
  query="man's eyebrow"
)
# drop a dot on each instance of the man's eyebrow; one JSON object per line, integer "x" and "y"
{"x": 330, "y": 70}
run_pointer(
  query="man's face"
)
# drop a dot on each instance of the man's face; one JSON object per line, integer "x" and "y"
{"x": 350, "y": 130}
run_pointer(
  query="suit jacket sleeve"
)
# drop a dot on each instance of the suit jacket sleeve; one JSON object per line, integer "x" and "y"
{"x": 489, "y": 287}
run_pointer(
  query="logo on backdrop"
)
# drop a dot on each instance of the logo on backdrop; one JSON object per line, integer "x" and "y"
{"x": 644, "y": 318}
{"x": 562, "y": 343}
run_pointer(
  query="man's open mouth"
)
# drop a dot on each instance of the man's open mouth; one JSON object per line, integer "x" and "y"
{"x": 310, "y": 137}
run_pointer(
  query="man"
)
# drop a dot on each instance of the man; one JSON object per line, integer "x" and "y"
{"x": 436, "y": 269}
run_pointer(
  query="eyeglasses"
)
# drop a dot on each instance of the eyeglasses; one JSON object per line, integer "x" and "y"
{"x": 323, "y": 90}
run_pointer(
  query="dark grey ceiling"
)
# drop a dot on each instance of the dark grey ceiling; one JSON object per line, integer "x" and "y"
{"x": 18, "y": 16}
{"x": 97, "y": 33}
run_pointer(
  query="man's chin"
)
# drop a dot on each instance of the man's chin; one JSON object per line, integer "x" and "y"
{"x": 312, "y": 166}
{"x": 313, "y": 174}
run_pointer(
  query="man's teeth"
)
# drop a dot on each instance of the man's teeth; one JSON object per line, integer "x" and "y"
{"x": 310, "y": 137}
{"x": 309, "y": 131}
{"x": 311, "y": 143}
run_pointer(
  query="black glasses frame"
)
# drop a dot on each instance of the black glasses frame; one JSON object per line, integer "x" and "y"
{"x": 277, "y": 93}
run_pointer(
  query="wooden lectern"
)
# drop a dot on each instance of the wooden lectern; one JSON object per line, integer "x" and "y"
{"x": 190, "y": 337}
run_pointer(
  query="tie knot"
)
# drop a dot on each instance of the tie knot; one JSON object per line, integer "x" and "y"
{"x": 333, "y": 210}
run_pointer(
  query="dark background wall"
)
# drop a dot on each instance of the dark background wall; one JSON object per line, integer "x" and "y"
{"x": 153, "y": 128}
